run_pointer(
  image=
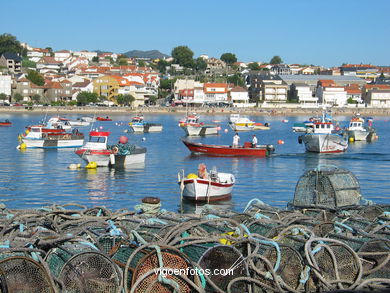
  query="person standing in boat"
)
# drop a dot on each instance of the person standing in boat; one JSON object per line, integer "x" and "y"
{"x": 236, "y": 140}
{"x": 254, "y": 141}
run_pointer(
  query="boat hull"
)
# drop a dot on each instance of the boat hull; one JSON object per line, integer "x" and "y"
{"x": 200, "y": 130}
{"x": 324, "y": 143}
{"x": 52, "y": 143}
{"x": 241, "y": 126}
{"x": 5, "y": 124}
{"x": 105, "y": 158}
{"x": 220, "y": 150}
{"x": 205, "y": 190}
{"x": 146, "y": 128}
{"x": 358, "y": 135}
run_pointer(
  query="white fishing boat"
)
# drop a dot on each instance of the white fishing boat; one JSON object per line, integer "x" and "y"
{"x": 79, "y": 122}
{"x": 358, "y": 129}
{"x": 120, "y": 155}
{"x": 239, "y": 123}
{"x": 323, "y": 138}
{"x": 138, "y": 125}
{"x": 193, "y": 127}
{"x": 59, "y": 122}
{"x": 206, "y": 186}
{"x": 39, "y": 136}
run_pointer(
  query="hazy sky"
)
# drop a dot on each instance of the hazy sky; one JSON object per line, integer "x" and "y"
{"x": 327, "y": 32}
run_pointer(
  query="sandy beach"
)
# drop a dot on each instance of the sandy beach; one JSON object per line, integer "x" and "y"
{"x": 278, "y": 110}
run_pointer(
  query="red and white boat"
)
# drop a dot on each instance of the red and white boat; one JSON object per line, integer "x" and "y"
{"x": 120, "y": 155}
{"x": 208, "y": 186}
{"x": 5, "y": 123}
{"x": 192, "y": 126}
{"x": 40, "y": 137}
{"x": 226, "y": 150}
{"x": 103, "y": 118}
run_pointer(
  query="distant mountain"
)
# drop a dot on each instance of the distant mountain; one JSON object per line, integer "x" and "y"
{"x": 152, "y": 54}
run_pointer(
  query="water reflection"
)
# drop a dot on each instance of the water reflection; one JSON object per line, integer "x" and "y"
{"x": 198, "y": 208}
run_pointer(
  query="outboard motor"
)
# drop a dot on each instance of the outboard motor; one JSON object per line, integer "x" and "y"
{"x": 300, "y": 139}
{"x": 270, "y": 148}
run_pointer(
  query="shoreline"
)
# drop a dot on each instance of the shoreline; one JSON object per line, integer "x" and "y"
{"x": 269, "y": 111}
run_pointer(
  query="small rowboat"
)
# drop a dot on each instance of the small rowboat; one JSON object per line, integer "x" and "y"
{"x": 5, "y": 123}
{"x": 214, "y": 186}
{"x": 103, "y": 118}
{"x": 225, "y": 150}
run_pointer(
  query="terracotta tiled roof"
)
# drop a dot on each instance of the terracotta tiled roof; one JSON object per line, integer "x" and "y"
{"x": 238, "y": 89}
{"x": 377, "y": 86}
{"x": 48, "y": 60}
{"x": 326, "y": 82}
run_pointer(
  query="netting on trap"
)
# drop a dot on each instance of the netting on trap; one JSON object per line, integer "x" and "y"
{"x": 58, "y": 256}
{"x": 327, "y": 187}
{"x": 375, "y": 255}
{"x": 90, "y": 272}
{"x": 228, "y": 262}
{"x": 149, "y": 276}
{"x": 25, "y": 275}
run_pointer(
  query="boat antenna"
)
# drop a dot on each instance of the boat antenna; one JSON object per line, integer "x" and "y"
{"x": 93, "y": 121}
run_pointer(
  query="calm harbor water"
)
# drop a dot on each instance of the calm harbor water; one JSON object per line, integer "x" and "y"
{"x": 35, "y": 177}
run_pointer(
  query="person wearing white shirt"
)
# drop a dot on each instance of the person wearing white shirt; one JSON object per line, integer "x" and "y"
{"x": 236, "y": 140}
{"x": 254, "y": 141}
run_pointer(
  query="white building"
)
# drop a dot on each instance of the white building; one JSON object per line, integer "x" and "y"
{"x": 305, "y": 95}
{"x": 62, "y": 55}
{"x": 5, "y": 84}
{"x": 239, "y": 97}
{"x": 332, "y": 95}
{"x": 86, "y": 54}
{"x": 216, "y": 92}
{"x": 378, "y": 98}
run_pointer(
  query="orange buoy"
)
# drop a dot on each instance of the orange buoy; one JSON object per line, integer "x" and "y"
{"x": 280, "y": 141}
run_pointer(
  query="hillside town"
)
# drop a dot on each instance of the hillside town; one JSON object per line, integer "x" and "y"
{"x": 46, "y": 77}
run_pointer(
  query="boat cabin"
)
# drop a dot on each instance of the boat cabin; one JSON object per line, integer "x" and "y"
{"x": 97, "y": 140}
{"x": 356, "y": 124}
{"x": 138, "y": 119}
{"x": 323, "y": 127}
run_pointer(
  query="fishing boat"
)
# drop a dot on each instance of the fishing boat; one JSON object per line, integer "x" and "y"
{"x": 323, "y": 138}
{"x": 138, "y": 125}
{"x": 226, "y": 150}
{"x": 5, "y": 123}
{"x": 58, "y": 122}
{"x": 261, "y": 126}
{"x": 40, "y": 137}
{"x": 119, "y": 155}
{"x": 193, "y": 127}
{"x": 79, "y": 122}
{"x": 103, "y": 118}
{"x": 303, "y": 126}
{"x": 239, "y": 123}
{"x": 206, "y": 186}
{"x": 359, "y": 129}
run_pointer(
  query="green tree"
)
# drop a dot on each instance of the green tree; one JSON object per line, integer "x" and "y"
{"x": 183, "y": 56}
{"x": 141, "y": 63}
{"x": 9, "y": 43}
{"x": 200, "y": 64}
{"x": 162, "y": 65}
{"x": 28, "y": 63}
{"x": 3, "y": 97}
{"x": 36, "y": 98}
{"x": 35, "y": 77}
{"x": 18, "y": 97}
{"x": 236, "y": 79}
{"x": 50, "y": 49}
{"x": 254, "y": 66}
{"x": 167, "y": 84}
{"x": 125, "y": 100}
{"x": 152, "y": 100}
{"x": 95, "y": 59}
{"x": 228, "y": 58}
{"x": 122, "y": 62}
{"x": 84, "y": 98}
{"x": 276, "y": 60}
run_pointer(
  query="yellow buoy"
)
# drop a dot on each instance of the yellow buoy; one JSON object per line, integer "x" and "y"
{"x": 192, "y": 176}
{"x": 351, "y": 139}
{"x": 23, "y": 146}
{"x": 91, "y": 165}
{"x": 226, "y": 241}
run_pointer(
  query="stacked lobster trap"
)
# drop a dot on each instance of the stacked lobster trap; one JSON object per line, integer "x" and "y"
{"x": 340, "y": 245}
